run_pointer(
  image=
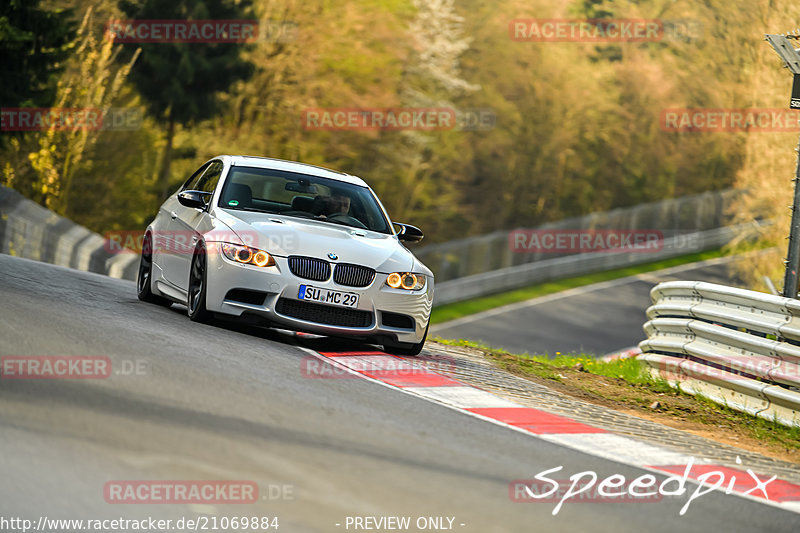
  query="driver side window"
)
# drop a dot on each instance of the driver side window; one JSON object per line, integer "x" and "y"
{"x": 208, "y": 181}
{"x": 191, "y": 183}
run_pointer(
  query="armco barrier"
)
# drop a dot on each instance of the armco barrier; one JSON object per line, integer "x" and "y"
{"x": 737, "y": 347}
{"x": 31, "y": 231}
{"x": 515, "y": 277}
{"x": 687, "y": 215}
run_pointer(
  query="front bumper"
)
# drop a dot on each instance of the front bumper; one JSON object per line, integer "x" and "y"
{"x": 278, "y": 282}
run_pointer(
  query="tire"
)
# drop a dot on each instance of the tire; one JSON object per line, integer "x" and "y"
{"x": 145, "y": 277}
{"x": 196, "y": 298}
{"x": 407, "y": 349}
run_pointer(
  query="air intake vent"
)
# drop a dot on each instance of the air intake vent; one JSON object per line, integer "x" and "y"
{"x": 395, "y": 320}
{"x": 310, "y": 268}
{"x": 353, "y": 275}
{"x": 246, "y": 296}
{"x": 324, "y": 314}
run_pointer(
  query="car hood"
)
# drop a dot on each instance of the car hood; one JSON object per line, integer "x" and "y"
{"x": 283, "y": 236}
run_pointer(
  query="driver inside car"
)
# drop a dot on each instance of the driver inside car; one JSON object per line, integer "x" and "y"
{"x": 339, "y": 204}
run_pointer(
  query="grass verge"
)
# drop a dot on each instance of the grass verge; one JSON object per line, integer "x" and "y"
{"x": 455, "y": 310}
{"x": 624, "y": 385}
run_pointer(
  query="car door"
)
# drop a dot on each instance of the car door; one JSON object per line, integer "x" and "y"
{"x": 167, "y": 235}
{"x": 188, "y": 219}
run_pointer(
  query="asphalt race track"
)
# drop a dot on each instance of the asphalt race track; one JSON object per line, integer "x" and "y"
{"x": 597, "y": 319}
{"x": 231, "y": 403}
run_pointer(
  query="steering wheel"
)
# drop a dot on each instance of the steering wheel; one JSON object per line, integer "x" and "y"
{"x": 348, "y": 219}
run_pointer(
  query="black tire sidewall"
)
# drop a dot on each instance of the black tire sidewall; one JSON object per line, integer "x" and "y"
{"x": 409, "y": 350}
{"x": 144, "y": 291}
{"x": 200, "y": 314}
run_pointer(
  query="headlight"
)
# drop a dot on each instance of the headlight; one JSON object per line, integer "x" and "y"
{"x": 247, "y": 255}
{"x": 406, "y": 280}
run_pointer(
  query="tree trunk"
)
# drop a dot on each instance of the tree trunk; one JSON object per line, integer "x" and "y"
{"x": 162, "y": 185}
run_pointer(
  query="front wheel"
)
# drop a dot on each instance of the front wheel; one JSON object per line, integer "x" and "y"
{"x": 407, "y": 349}
{"x": 144, "y": 278}
{"x": 196, "y": 301}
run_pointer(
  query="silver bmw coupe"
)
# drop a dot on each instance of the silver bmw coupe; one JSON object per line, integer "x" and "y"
{"x": 288, "y": 245}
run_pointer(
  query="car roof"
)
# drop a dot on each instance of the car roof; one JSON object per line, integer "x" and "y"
{"x": 290, "y": 166}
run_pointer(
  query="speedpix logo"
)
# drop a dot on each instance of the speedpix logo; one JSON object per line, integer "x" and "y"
{"x": 587, "y": 486}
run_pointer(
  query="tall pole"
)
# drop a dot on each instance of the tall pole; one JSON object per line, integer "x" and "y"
{"x": 790, "y": 287}
{"x": 791, "y": 60}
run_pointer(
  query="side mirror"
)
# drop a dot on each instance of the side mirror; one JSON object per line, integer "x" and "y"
{"x": 198, "y": 199}
{"x": 409, "y": 233}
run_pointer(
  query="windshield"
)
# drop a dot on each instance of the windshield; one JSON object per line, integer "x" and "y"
{"x": 304, "y": 196}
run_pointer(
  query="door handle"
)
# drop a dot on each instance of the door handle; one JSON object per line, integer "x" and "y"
{"x": 174, "y": 215}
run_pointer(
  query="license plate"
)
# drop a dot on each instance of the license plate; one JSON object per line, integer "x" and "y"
{"x": 326, "y": 296}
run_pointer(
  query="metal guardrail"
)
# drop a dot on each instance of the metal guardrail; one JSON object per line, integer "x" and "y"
{"x": 491, "y": 252}
{"x": 31, "y": 231}
{"x": 515, "y": 277}
{"x": 737, "y": 347}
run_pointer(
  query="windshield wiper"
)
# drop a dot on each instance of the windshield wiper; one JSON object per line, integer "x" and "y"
{"x": 340, "y": 222}
{"x": 295, "y": 214}
{"x": 252, "y": 210}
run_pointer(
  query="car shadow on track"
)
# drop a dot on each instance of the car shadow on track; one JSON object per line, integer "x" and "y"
{"x": 286, "y": 337}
